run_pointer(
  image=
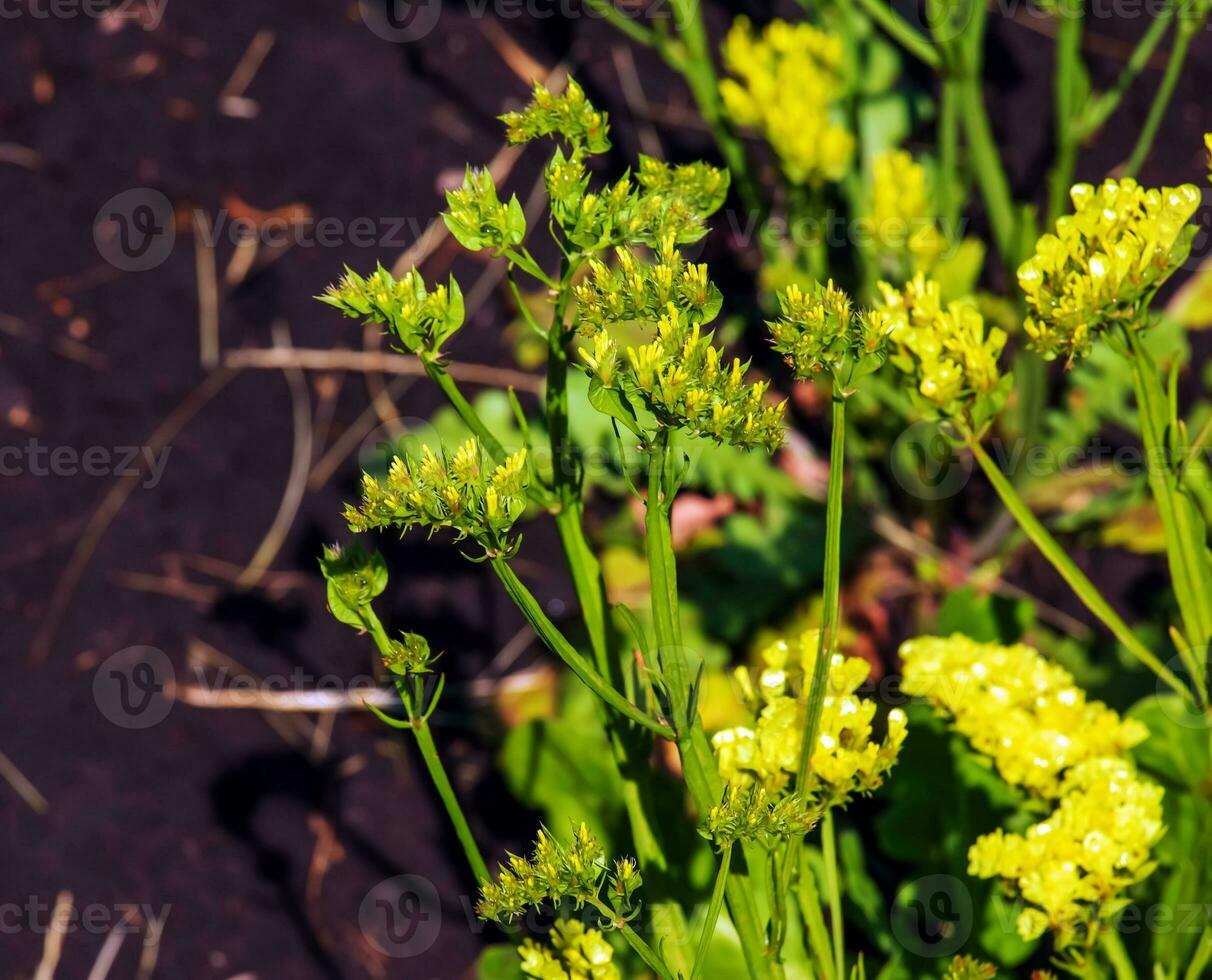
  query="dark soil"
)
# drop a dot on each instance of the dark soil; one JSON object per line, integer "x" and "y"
{"x": 262, "y": 852}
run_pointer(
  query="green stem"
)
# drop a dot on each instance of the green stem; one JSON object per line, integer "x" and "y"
{"x": 625, "y": 24}
{"x": 713, "y": 912}
{"x": 1188, "y": 28}
{"x": 437, "y": 772}
{"x": 698, "y": 763}
{"x": 901, "y": 31}
{"x": 833, "y": 887}
{"x": 436, "y": 371}
{"x": 649, "y": 955}
{"x": 1202, "y": 955}
{"x": 831, "y": 592}
{"x": 814, "y": 917}
{"x": 1068, "y": 90}
{"x": 1186, "y": 548}
{"x": 1100, "y": 109}
{"x": 429, "y": 753}
{"x": 526, "y": 262}
{"x": 1081, "y": 585}
{"x": 560, "y": 646}
{"x": 698, "y": 68}
{"x": 950, "y": 188}
{"x": 1113, "y": 946}
{"x": 990, "y": 174}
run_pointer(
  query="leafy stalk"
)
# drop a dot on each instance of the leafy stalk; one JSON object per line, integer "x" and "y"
{"x": 833, "y": 887}
{"x": 901, "y": 31}
{"x": 1182, "y": 525}
{"x": 649, "y": 955}
{"x": 713, "y": 912}
{"x": 559, "y": 645}
{"x": 1069, "y": 92}
{"x": 1188, "y": 27}
{"x": 1051, "y": 549}
{"x": 698, "y": 763}
{"x": 831, "y": 593}
{"x": 814, "y": 918}
{"x": 418, "y": 724}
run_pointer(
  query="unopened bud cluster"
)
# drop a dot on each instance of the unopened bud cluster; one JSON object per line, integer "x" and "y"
{"x": 819, "y": 330}
{"x": 554, "y": 873}
{"x": 462, "y": 491}
{"x": 749, "y": 813}
{"x": 420, "y": 319}
{"x": 479, "y": 219}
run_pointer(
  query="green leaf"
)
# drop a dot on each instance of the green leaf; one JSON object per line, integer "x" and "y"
{"x": 499, "y": 962}
{"x": 612, "y": 402}
{"x": 986, "y": 618}
{"x": 1177, "y": 749}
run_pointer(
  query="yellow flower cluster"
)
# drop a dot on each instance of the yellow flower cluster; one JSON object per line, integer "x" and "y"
{"x": 1208, "y": 144}
{"x": 1044, "y": 736}
{"x": 1024, "y": 712}
{"x": 901, "y": 221}
{"x": 1105, "y": 262}
{"x": 682, "y": 378}
{"x": 846, "y": 759}
{"x": 1073, "y": 864}
{"x": 460, "y": 491}
{"x": 946, "y": 349}
{"x": 786, "y": 79}
{"x": 576, "y": 953}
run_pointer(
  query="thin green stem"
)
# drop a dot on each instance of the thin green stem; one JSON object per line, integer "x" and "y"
{"x": 1188, "y": 28}
{"x": 429, "y": 753}
{"x": 625, "y": 24}
{"x": 713, "y": 912}
{"x": 1068, "y": 92}
{"x": 437, "y": 772}
{"x": 526, "y": 262}
{"x": 990, "y": 173}
{"x": 698, "y": 763}
{"x": 559, "y": 645}
{"x": 1117, "y": 956}
{"x": 950, "y": 188}
{"x": 649, "y": 955}
{"x": 437, "y": 372}
{"x": 904, "y": 33}
{"x": 814, "y": 917}
{"x": 1099, "y": 109}
{"x": 834, "y": 890}
{"x": 698, "y": 68}
{"x": 1051, "y": 549}
{"x": 1202, "y": 955}
{"x": 1182, "y": 525}
{"x": 831, "y": 592}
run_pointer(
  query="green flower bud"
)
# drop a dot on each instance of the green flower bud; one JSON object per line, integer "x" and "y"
{"x": 421, "y": 320}
{"x": 569, "y": 116}
{"x": 820, "y": 331}
{"x": 477, "y": 218}
{"x": 354, "y": 577}
{"x": 409, "y": 655}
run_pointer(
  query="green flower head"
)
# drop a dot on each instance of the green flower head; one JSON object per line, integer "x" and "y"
{"x": 478, "y": 219}
{"x": 460, "y": 491}
{"x": 570, "y": 116}
{"x": 819, "y": 330}
{"x": 1105, "y": 262}
{"x": 421, "y": 320}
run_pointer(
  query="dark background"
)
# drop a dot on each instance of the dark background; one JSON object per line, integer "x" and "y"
{"x": 264, "y": 840}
